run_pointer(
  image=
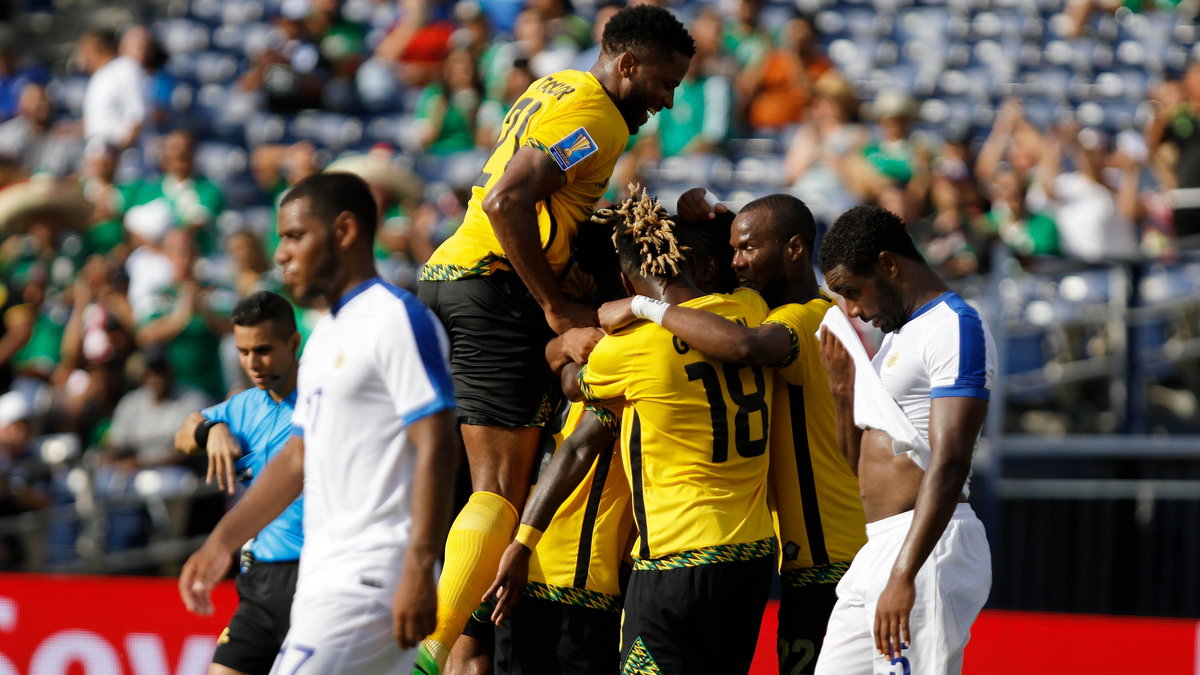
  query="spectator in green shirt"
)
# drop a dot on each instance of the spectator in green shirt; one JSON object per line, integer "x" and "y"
{"x": 195, "y": 200}
{"x": 185, "y": 322}
{"x": 1026, "y": 233}
{"x": 446, "y": 113}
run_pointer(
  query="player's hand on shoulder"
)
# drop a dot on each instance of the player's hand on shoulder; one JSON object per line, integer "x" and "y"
{"x": 414, "y": 606}
{"x": 571, "y": 315}
{"x": 694, "y": 205}
{"x": 616, "y": 314}
{"x": 838, "y": 364}
{"x": 200, "y": 573}
{"x": 223, "y": 451}
{"x": 578, "y": 343}
{"x": 511, "y": 578}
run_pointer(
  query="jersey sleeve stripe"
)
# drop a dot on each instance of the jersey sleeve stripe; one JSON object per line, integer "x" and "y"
{"x": 972, "y": 349}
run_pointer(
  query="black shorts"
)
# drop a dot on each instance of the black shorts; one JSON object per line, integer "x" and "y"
{"x": 255, "y": 633}
{"x": 803, "y": 618}
{"x": 691, "y": 620}
{"x": 498, "y": 335}
{"x": 543, "y": 637}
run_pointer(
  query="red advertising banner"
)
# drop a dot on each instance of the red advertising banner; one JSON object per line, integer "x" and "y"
{"x": 60, "y": 625}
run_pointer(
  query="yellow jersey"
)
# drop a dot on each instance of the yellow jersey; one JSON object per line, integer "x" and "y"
{"x": 694, "y": 435}
{"x": 815, "y": 499}
{"x": 569, "y": 116}
{"x": 578, "y": 559}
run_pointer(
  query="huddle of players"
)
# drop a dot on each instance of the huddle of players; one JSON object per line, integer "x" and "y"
{"x": 725, "y": 436}
{"x": 673, "y": 430}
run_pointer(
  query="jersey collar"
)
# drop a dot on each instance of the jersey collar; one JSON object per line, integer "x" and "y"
{"x": 354, "y": 292}
{"x": 930, "y": 305}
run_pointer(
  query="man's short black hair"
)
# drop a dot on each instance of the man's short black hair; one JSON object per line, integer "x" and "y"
{"x": 333, "y": 193}
{"x": 254, "y": 309}
{"x": 861, "y": 234}
{"x": 789, "y": 217}
{"x": 646, "y": 29}
{"x": 710, "y": 239}
{"x": 104, "y": 38}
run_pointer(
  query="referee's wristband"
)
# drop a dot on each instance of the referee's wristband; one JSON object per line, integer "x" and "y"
{"x": 528, "y": 536}
{"x": 648, "y": 308}
{"x": 201, "y": 433}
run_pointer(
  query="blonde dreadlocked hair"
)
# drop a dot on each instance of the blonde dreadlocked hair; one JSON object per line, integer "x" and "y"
{"x": 643, "y": 230}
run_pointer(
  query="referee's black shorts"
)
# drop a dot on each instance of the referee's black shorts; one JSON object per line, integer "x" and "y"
{"x": 691, "y": 620}
{"x": 498, "y": 335}
{"x": 255, "y": 633}
{"x": 543, "y": 637}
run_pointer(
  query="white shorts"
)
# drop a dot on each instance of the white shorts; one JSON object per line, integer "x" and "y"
{"x": 342, "y": 629}
{"x": 952, "y": 587}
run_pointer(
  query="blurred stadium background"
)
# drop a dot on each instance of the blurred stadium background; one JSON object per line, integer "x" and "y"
{"x": 1045, "y": 153}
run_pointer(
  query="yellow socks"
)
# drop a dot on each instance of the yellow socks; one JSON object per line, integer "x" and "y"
{"x": 477, "y": 539}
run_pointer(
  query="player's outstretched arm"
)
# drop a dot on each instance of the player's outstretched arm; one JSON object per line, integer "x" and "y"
{"x": 414, "y": 607}
{"x": 511, "y": 206}
{"x": 839, "y": 367}
{"x": 765, "y": 345}
{"x": 279, "y": 485}
{"x": 566, "y": 470}
{"x": 954, "y": 425}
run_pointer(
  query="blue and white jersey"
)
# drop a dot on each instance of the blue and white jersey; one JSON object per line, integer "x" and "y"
{"x": 262, "y": 427}
{"x": 945, "y": 349}
{"x": 375, "y": 365}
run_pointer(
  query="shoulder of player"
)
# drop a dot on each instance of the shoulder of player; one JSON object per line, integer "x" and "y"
{"x": 953, "y": 318}
{"x": 743, "y": 303}
{"x": 800, "y": 315}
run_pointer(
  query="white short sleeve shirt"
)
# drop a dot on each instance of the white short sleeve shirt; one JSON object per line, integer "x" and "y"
{"x": 945, "y": 349}
{"x": 114, "y": 102}
{"x": 371, "y": 368}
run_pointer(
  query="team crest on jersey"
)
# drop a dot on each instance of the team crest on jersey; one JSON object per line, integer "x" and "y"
{"x": 891, "y": 360}
{"x": 341, "y": 358}
{"x": 573, "y": 149}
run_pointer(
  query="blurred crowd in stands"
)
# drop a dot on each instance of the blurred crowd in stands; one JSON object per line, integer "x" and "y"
{"x": 139, "y": 169}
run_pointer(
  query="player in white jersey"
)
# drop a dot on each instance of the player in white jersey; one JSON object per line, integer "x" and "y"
{"x": 373, "y": 447}
{"x": 907, "y": 603}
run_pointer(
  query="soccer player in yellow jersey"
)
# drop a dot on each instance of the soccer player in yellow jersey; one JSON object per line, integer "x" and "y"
{"x": 694, "y": 450}
{"x": 569, "y": 620}
{"x": 814, "y": 493}
{"x": 495, "y": 282}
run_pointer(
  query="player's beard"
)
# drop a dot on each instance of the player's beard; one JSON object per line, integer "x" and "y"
{"x": 323, "y": 275}
{"x": 892, "y": 314}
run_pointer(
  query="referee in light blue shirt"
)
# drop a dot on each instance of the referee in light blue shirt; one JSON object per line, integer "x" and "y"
{"x": 240, "y": 436}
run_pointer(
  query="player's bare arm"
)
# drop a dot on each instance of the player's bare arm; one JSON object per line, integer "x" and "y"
{"x": 713, "y": 335}
{"x": 562, "y": 475}
{"x": 530, "y": 178}
{"x": 954, "y": 424}
{"x": 272, "y": 492}
{"x": 414, "y": 607}
{"x": 840, "y": 369}
{"x": 569, "y": 378}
